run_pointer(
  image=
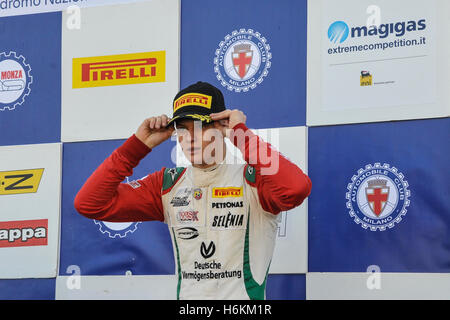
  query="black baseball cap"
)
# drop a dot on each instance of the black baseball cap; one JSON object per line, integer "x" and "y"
{"x": 197, "y": 102}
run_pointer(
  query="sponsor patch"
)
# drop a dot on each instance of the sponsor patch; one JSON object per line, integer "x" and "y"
{"x": 228, "y": 221}
{"x": 181, "y": 198}
{"x": 187, "y": 216}
{"x": 221, "y": 205}
{"x": 187, "y": 233}
{"x": 227, "y": 192}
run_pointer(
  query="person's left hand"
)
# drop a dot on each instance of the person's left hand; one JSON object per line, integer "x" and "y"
{"x": 228, "y": 119}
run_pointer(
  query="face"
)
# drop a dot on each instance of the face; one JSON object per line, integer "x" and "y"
{"x": 202, "y": 144}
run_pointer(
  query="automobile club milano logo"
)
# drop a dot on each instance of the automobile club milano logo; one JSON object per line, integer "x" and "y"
{"x": 15, "y": 80}
{"x": 242, "y": 60}
{"x": 377, "y": 197}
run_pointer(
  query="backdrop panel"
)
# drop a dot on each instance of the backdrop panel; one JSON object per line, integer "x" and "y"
{"x": 266, "y": 62}
{"x": 104, "y": 248}
{"x": 27, "y": 289}
{"x": 120, "y": 67}
{"x": 377, "y": 60}
{"x": 30, "y": 79}
{"x": 380, "y": 196}
{"x": 30, "y": 187}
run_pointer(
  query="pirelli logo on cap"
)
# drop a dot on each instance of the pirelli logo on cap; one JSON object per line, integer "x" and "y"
{"x": 198, "y": 99}
{"x": 20, "y": 181}
{"x": 229, "y": 192}
{"x": 116, "y": 70}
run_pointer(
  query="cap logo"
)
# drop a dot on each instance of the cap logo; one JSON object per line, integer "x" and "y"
{"x": 197, "y": 99}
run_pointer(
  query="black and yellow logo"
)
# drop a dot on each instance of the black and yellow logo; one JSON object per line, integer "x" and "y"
{"x": 365, "y": 79}
{"x": 20, "y": 181}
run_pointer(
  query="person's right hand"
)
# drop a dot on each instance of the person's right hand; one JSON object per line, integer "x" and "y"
{"x": 153, "y": 131}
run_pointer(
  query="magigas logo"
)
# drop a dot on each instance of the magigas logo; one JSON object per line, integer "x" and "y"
{"x": 339, "y": 31}
{"x": 15, "y": 80}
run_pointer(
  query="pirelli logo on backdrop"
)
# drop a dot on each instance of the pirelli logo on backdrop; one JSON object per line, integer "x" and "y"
{"x": 20, "y": 181}
{"x": 198, "y": 99}
{"x": 228, "y": 192}
{"x": 116, "y": 70}
{"x": 23, "y": 233}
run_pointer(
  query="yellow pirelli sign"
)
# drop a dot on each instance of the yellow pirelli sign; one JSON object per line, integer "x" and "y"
{"x": 20, "y": 181}
{"x": 116, "y": 70}
{"x": 197, "y": 99}
{"x": 228, "y": 192}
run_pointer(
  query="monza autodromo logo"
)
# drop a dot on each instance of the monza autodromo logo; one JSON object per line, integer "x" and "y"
{"x": 15, "y": 80}
{"x": 378, "y": 197}
{"x": 242, "y": 60}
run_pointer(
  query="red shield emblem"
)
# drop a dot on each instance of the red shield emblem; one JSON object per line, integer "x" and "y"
{"x": 377, "y": 194}
{"x": 242, "y": 58}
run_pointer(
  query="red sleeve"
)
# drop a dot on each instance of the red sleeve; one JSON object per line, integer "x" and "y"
{"x": 104, "y": 196}
{"x": 280, "y": 183}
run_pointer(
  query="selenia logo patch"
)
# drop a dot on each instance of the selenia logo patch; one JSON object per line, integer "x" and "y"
{"x": 228, "y": 221}
{"x": 378, "y": 197}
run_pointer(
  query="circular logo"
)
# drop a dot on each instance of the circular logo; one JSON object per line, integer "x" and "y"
{"x": 338, "y": 32}
{"x": 15, "y": 80}
{"x": 378, "y": 197}
{"x": 198, "y": 193}
{"x": 242, "y": 60}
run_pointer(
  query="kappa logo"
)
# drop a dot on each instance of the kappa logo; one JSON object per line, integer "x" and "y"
{"x": 23, "y": 233}
{"x": 122, "y": 69}
{"x": 15, "y": 80}
{"x": 207, "y": 252}
{"x": 242, "y": 60}
{"x": 20, "y": 181}
{"x": 378, "y": 197}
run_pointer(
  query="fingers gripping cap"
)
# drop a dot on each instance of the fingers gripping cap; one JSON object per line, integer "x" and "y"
{"x": 197, "y": 102}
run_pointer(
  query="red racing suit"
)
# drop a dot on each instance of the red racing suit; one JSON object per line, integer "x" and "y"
{"x": 222, "y": 220}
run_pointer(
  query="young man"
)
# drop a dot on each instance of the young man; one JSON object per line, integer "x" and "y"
{"x": 222, "y": 217}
